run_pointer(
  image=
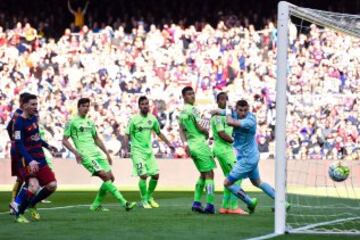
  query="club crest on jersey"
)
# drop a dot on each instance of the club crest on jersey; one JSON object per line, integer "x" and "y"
{"x": 35, "y": 137}
{"x": 218, "y": 120}
{"x": 149, "y": 122}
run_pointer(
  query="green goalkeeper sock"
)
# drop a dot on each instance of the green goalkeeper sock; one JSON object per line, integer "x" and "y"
{"x": 110, "y": 187}
{"x": 143, "y": 191}
{"x": 210, "y": 191}
{"x": 152, "y": 185}
{"x": 199, "y": 189}
{"x": 100, "y": 196}
{"x": 226, "y": 198}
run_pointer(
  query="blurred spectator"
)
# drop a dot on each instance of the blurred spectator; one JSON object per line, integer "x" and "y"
{"x": 114, "y": 67}
{"x": 79, "y": 15}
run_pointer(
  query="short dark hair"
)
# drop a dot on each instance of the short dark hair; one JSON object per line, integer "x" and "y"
{"x": 22, "y": 96}
{"x": 242, "y": 103}
{"x": 28, "y": 97}
{"x": 142, "y": 98}
{"x": 221, "y": 94}
{"x": 186, "y": 89}
{"x": 83, "y": 101}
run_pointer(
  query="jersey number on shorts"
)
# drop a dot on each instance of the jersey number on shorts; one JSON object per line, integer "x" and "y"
{"x": 139, "y": 168}
{"x": 96, "y": 165}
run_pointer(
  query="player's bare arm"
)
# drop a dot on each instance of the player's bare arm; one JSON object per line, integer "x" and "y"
{"x": 183, "y": 139}
{"x": 162, "y": 137}
{"x": 69, "y": 146}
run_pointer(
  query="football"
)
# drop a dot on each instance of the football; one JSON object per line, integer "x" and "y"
{"x": 338, "y": 172}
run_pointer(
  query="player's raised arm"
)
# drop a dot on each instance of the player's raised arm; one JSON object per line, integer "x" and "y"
{"x": 248, "y": 122}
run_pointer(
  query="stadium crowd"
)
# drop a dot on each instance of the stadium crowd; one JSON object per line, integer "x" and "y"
{"x": 114, "y": 67}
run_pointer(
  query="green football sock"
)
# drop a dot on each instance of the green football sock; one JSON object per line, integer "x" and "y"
{"x": 226, "y": 198}
{"x": 152, "y": 185}
{"x": 199, "y": 189}
{"x": 210, "y": 191}
{"x": 234, "y": 203}
{"x": 142, "y": 187}
{"x": 100, "y": 196}
{"x": 110, "y": 187}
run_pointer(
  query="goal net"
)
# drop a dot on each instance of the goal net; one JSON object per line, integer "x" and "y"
{"x": 318, "y": 122}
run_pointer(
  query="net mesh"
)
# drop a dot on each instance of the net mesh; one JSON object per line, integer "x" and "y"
{"x": 323, "y": 121}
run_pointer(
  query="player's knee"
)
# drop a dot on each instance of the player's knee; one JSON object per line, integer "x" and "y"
{"x": 207, "y": 175}
{"x": 256, "y": 182}
{"x": 103, "y": 175}
{"x": 227, "y": 183}
{"x": 143, "y": 177}
{"x": 155, "y": 177}
{"x": 112, "y": 178}
{"x": 33, "y": 186}
{"x": 51, "y": 186}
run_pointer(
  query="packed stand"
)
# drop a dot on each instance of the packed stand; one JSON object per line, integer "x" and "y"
{"x": 114, "y": 68}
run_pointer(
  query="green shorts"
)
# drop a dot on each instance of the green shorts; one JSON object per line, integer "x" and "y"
{"x": 226, "y": 158}
{"x": 202, "y": 156}
{"x": 96, "y": 163}
{"x": 144, "y": 163}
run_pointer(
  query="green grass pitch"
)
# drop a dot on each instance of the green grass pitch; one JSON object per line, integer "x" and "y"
{"x": 68, "y": 217}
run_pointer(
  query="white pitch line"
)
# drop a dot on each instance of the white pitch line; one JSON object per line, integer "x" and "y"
{"x": 298, "y": 230}
{"x": 107, "y": 205}
{"x": 54, "y": 208}
{"x": 267, "y": 236}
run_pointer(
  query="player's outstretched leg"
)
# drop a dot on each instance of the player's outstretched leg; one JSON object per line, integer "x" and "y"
{"x": 152, "y": 185}
{"x": 240, "y": 193}
{"x": 199, "y": 189}
{"x": 233, "y": 203}
{"x": 110, "y": 187}
{"x": 265, "y": 187}
{"x": 96, "y": 205}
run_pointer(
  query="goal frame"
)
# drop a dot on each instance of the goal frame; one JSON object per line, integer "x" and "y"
{"x": 285, "y": 11}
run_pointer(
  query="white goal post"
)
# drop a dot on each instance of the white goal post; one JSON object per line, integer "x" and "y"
{"x": 345, "y": 23}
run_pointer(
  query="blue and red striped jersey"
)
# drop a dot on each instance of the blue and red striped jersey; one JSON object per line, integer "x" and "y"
{"x": 28, "y": 141}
